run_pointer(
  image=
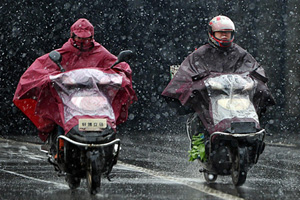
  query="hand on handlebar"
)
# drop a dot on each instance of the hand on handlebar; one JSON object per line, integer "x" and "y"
{"x": 215, "y": 85}
{"x": 66, "y": 80}
{"x": 248, "y": 86}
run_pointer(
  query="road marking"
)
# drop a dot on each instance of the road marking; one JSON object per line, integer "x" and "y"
{"x": 279, "y": 169}
{"x": 35, "y": 179}
{"x": 197, "y": 186}
{"x": 279, "y": 144}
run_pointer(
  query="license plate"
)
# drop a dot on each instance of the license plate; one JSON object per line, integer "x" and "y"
{"x": 92, "y": 124}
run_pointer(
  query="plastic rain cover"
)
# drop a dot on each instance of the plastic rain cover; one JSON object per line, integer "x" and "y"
{"x": 87, "y": 92}
{"x": 231, "y": 97}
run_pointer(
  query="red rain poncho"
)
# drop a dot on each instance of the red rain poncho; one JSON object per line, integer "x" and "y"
{"x": 34, "y": 85}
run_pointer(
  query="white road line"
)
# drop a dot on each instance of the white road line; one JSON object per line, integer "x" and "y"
{"x": 279, "y": 144}
{"x": 197, "y": 186}
{"x": 280, "y": 169}
{"x": 60, "y": 185}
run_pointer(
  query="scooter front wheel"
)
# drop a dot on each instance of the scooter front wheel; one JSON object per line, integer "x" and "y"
{"x": 210, "y": 178}
{"x": 93, "y": 176}
{"x": 239, "y": 172}
{"x": 73, "y": 182}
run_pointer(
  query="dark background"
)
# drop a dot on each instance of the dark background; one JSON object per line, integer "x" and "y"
{"x": 161, "y": 33}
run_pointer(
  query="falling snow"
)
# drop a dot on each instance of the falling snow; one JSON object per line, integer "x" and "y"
{"x": 161, "y": 33}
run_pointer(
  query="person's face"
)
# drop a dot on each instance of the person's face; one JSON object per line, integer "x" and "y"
{"x": 83, "y": 40}
{"x": 223, "y": 35}
{"x": 83, "y": 44}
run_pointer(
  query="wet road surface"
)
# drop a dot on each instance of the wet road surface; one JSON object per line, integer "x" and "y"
{"x": 151, "y": 166}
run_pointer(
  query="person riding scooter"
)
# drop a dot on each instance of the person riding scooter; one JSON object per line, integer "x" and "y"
{"x": 219, "y": 55}
{"x": 80, "y": 51}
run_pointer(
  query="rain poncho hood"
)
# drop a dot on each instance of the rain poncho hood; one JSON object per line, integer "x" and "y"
{"x": 188, "y": 86}
{"x": 35, "y": 85}
{"x": 82, "y": 28}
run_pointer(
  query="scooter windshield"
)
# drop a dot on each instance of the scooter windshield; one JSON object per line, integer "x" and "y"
{"x": 87, "y": 92}
{"x": 231, "y": 98}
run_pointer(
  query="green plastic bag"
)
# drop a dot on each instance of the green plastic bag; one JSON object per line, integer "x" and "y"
{"x": 198, "y": 148}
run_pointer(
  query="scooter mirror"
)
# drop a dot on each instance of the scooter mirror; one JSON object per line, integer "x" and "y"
{"x": 123, "y": 56}
{"x": 56, "y": 58}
